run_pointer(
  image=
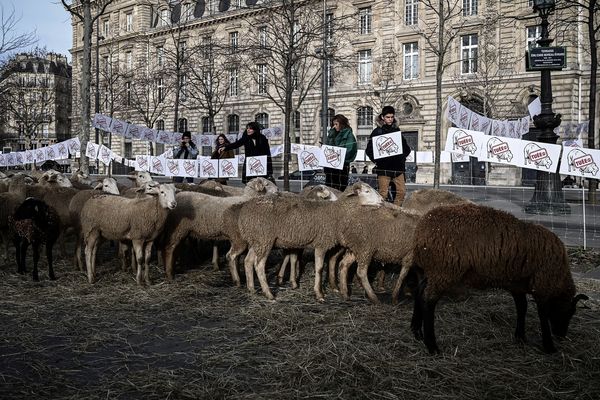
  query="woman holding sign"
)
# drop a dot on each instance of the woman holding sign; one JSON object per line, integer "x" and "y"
{"x": 389, "y": 168}
{"x": 255, "y": 144}
{"x": 222, "y": 141}
{"x": 340, "y": 135}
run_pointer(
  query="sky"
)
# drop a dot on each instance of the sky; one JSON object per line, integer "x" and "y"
{"x": 47, "y": 18}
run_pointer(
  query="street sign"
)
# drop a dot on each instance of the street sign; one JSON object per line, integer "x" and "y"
{"x": 541, "y": 58}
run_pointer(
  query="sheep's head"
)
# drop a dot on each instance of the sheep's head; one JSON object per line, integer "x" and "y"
{"x": 321, "y": 192}
{"x": 140, "y": 177}
{"x": 367, "y": 196}
{"x": 260, "y": 186}
{"x": 52, "y": 177}
{"x": 107, "y": 185}
{"x": 424, "y": 200}
{"x": 561, "y": 313}
{"x": 81, "y": 177}
{"x": 166, "y": 194}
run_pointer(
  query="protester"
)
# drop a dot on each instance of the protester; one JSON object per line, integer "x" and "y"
{"x": 340, "y": 135}
{"x": 187, "y": 151}
{"x": 222, "y": 141}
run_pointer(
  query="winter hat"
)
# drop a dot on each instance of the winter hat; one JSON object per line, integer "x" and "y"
{"x": 388, "y": 110}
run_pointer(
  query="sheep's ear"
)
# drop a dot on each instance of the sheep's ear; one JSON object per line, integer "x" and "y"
{"x": 98, "y": 185}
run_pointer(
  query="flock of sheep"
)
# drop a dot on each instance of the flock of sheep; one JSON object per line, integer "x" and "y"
{"x": 444, "y": 239}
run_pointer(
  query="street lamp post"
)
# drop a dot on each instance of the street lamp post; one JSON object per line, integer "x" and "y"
{"x": 548, "y": 197}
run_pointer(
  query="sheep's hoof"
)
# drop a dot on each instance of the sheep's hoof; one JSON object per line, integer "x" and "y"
{"x": 215, "y": 268}
{"x": 433, "y": 350}
{"x": 380, "y": 289}
{"x": 294, "y": 286}
{"x": 148, "y": 283}
{"x": 321, "y": 299}
{"x": 418, "y": 333}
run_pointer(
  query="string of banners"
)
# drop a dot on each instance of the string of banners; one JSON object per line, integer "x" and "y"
{"x": 133, "y": 131}
{"x": 577, "y": 161}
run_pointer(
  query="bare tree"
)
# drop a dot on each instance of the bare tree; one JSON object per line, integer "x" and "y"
{"x": 28, "y": 97}
{"x": 281, "y": 56}
{"x": 86, "y": 11}
{"x": 440, "y": 25}
{"x": 9, "y": 40}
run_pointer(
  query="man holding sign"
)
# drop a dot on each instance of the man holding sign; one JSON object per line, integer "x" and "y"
{"x": 390, "y": 157}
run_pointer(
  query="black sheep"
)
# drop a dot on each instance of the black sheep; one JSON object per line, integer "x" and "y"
{"x": 34, "y": 222}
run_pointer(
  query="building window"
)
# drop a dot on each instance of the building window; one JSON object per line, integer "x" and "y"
{"x": 160, "y": 56}
{"x": 533, "y": 34}
{"x": 105, "y": 28}
{"x": 128, "y": 93}
{"x": 262, "y": 37}
{"x": 181, "y": 50}
{"x": 329, "y": 66}
{"x": 365, "y": 67}
{"x": 469, "y": 54}
{"x": 128, "y": 61}
{"x": 187, "y": 12}
{"x": 233, "y": 82}
{"x": 329, "y": 27}
{"x": 365, "y": 21}
{"x": 411, "y": 12}
{"x": 411, "y": 60}
{"x": 262, "y": 119}
{"x": 233, "y": 123}
{"x": 262, "y": 78}
{"x": 160, "y": 90}
{"x": 129, "y": 22}
{"x": 364, "y": 117}
{"x": 160, "y": 124}
{"x": 165, "y": 17}
{"x": 233, "y": 42}
{"x": 206, "y": 125}
{"x": 297, "y": 127}
{"x": 207, "y": 48}
{"x": 183, "y": 88}
{"x": 469, "y": 7}
{"x": 182, "y": 125}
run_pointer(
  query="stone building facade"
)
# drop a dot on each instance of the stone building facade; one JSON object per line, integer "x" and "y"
{"x": 484, "y": 69}
{"x": 36, "y": 97}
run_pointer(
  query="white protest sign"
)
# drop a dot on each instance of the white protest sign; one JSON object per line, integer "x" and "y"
{"x": 462, "y": 141}
{"x": 308, "y": 159}
{"x": 424, "y": 157}
{"x": 540, "y": 156}
{"x": 332, "y": 157}
{"x": 20, "y": 157}
{"x": 51, "y": 153}
{"x": 141, "y": 163}
{"x": 148, "y": 134}
{"x": 74, "y": 146}
{"x": 158, "y": 165}
{"x": 40, "y": 155}
{"x": 91, "y": 151}
{"x": 208, "y": 168}
{"x": 276, "y": 150}
{"x": 29, "y": 156}
{"x": 256, "y": 165}
{"x": 189, "y": 168}
{"x": 387, "y": 145}
{"x": 102, "y": 122}
{"x": 174, "y": 168}
{"x": 118, "y": 127}
{"x": 464, "y": 117}
{"x": 535, "y": 107}
{"x": 580, "y": 162}
{"x": 228, "y": 168}
{"x": 105, "y": 155}
{"x": 452, "y": 111}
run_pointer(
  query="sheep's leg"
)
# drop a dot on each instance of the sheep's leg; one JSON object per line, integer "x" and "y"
{"x": 347, "y": 260}
{"x": 546, "y": 331}
{"x": 63, "y": 241}
{"x": 49, "y": 259}
{"x": 262, "y": 276}
{"x": 249, "y": 262}
{"x": 20, "y": 264}
{"x": 138, "y": 248}
{"x": 91, "y": 243}
{"x": 333, "y": 285}
{"x": 215, "y": 257}
{"x": 124, "y": 255}
{"x": 406, "y": 265}
{"x": 168, "y": 253}
{"x": 319, "y": 261}
{"x": 416, "y": 323}
{"x": 380, "y": 279}
{"x": 5, "y": 240}
{"x": 429, "y": 326}
{"x": 282, "y": 269}
{"x": 363, "y": 268}
{"x": 521, "y": 304}
{"x": 147, "y": 255}
{"x": 78, "y": 260}
{"x": 294, "y": 267}
{"x": 36, "y": 258}
{"x": 234, "y": 252}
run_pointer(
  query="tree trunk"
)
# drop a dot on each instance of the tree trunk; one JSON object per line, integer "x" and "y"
{"x": 593, "y": 183}
{"x": 438, "y": 96}
{"x": 84, "y": 136}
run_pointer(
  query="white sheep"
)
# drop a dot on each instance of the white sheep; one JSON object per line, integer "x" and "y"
{"x": 139, "y": 220}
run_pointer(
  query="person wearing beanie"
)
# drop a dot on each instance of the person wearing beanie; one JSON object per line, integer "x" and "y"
{"x": 340, "y": 135}
{"x": 389, "y": 169}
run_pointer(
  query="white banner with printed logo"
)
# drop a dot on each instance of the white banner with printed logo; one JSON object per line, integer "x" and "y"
{"x": 308, "y": 158}
{"x": 158, "y": 165}
{"x": 537, "y": 155}
{"x": 102, "y": 122}
{"x": 332, "y": 157}
{"x": 105, "y": 155}
{"x": 580, "y": 162}
{"x": 276, "y": 150}
{"x": 141, "y": 163}
{"x": 118, "y": 127}
{"x": 74, "y": 146}
{"x": 29, "y": 156}
{"x": 256, "y": 165}
{"x": 463, "y": 141}
{"x": 208, "y": 168}
{"x": 453, "y": 109}
{"x": 51, "y": 153}
{"x": 228, "y": 168}
{"x": 464, "y": 117}
{"x": 19, "y": 158}
{"x": 148, "y": 134}
{"x": 387, "y": 145}
{"x": 91, "y": 151}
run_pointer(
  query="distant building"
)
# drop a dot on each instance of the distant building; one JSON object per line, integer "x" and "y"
{"x": 485, "y": 71}
{"x": 35, "y": 98}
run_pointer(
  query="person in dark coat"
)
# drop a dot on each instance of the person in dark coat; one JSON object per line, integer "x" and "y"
{"x": 255, "y": 144}
{"x": 187, "y": 150}
{"x": 389, "y": 169}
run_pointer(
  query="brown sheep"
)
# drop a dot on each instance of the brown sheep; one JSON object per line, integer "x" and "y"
{"x": 481, "y": 247}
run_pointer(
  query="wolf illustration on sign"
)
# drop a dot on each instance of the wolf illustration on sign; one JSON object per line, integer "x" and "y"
{"x": 309, "y": 159}
{"x": 499, "y": 149}
{"x": 464, "y": 141}
{"x": 227, "y": 168}
{"x": 208, "y": 169}
{"x": 173, "y": 167}
{"x": 157, "y": 165}
{"x": 333, "y": 157}
{"x": 256, "y": 167}
{"x": 582, "y": 161}
{"x": 534, "y": 154}
{"x": 386, "y": 145}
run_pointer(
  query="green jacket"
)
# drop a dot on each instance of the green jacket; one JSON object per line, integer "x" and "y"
{"x": 344, "y": 138}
